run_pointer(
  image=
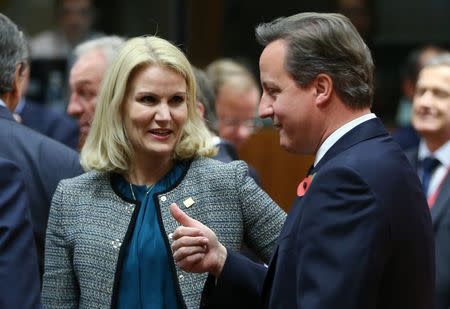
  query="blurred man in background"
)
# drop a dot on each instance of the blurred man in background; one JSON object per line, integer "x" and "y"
{"x": 92, "y": 60}
{"x": 237, "y": 98}
{"x": 431, "y": 119}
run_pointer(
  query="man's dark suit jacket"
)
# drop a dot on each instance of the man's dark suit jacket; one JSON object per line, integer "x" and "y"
{"x": 44, "y": 162}
{"x": 440, "y": 215}
{"x": 360, "y": 237}
{"x": 50, "y": 123}
{"x": 19, "y": 271}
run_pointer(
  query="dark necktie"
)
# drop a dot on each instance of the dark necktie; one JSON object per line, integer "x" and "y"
{"x": 429, "y": 164}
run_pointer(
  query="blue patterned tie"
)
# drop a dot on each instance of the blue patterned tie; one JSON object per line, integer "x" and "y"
{"x": 429, "y": 164}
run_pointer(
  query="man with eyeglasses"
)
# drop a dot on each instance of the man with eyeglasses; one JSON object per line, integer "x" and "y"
{"x": 237, "y": 98}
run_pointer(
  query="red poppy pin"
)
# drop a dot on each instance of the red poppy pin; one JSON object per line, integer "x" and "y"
{"x": 304, "y": 185}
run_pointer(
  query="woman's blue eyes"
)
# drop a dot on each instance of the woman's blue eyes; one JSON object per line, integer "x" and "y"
{"x": 177, "y": 99}
{"x": 148, "y": 99}
{"x": 155, "y": 100}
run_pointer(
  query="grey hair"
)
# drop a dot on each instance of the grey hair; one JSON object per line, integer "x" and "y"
{"x": 325, "y": 43}
{"x": 438, "y": 60}
{"x": 108, "y": 45}
{"x": 206, "y": 96}
{"x": 228, "y": 71}
{"x": 13, "y": 51}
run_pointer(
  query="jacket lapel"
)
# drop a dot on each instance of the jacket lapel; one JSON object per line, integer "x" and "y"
{"x": 442, "y": 202}
{"x": 366, "y": 130}
{"x": 413, "y": 155}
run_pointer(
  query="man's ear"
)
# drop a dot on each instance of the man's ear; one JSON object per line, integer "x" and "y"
{"x": 11, "y": 98}
{"x": 17, "y": 88}
{"x": 201, "y": 109}
{"x": 323, "y": 85}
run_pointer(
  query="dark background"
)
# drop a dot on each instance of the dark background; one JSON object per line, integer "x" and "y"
{"x": 209, "y": 29}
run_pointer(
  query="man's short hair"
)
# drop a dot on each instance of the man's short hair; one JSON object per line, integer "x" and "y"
{"x": 13, "y": 51}
{"x": 325, "y": 43}
{"x": 414, "y": 62}
{"x": 438, "y": 60}
{"x": 228, "y": 71}
{"x": 108, "y": 45}
{"x": 206, "y": 96}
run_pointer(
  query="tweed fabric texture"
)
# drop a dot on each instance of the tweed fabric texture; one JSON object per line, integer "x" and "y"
{"x": 88, "y": 223}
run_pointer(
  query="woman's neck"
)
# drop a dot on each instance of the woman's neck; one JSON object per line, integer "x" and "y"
{"x": 149, "y": 170}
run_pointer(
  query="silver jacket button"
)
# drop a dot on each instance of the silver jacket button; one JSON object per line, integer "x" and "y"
{"x": 116, "y": 243}
{"x": 129, "y": 208}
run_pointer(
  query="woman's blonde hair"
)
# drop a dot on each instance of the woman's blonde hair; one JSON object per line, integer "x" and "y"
{"x": 107, "y": 146}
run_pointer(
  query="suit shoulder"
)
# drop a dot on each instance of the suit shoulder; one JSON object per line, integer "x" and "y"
{"x": 16, "y": 137}
{"x": 23, "y": 133}
{"x": 8, "y": 171}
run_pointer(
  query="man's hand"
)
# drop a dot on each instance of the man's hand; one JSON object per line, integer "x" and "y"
{"x": 195, "y": 247}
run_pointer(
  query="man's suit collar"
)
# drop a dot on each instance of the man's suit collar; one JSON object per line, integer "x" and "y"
{"x": 442, "y": 202}
{"x": 443, "y": 199}
{"x": 412, "y": 155}
{"x": 5, "y": 113}
{"x": 366, "y": 130}
{"x": 338, "y": 133}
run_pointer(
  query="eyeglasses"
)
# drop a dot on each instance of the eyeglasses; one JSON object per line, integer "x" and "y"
{"x": 252, "y": 124}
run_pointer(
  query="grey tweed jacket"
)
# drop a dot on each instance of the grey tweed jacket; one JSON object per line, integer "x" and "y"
{"x": 90, "y": 225}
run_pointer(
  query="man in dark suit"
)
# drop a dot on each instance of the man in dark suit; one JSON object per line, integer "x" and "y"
{"x": 19, "y": 271}
{"x": 359, "y": 234}
{"x": 431, "y": 118}
{"x": 43, "y": 161}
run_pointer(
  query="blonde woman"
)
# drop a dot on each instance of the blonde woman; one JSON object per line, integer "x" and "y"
{"x": 108, "y": 237}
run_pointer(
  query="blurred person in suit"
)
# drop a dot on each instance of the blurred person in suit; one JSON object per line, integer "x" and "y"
{"x": 207, "y": 109}
{"x": 19, "y": 270}
{"x": 93, "y": 58}
{"x": 359, "y": 234}
{"x": 237, "y": 96}
{"x": 405, "y": 134}
{"x": 235, "y": 101}
{"x": 431, "y": 158}
{"x": 44, "y": 161}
